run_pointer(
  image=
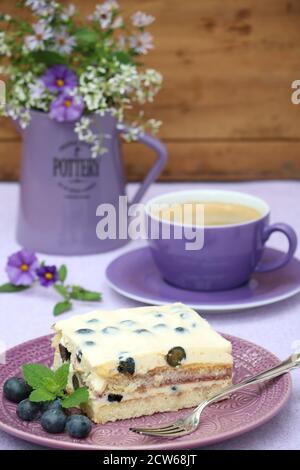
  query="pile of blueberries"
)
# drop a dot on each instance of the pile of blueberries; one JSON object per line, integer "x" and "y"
{"x": 53, "y": 418}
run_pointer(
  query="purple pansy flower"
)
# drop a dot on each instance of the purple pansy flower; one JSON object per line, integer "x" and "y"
{"x": 47, "y": 275}
{"x": 67, "y": 107}
{"x": 21, "y": 267}
{"x": 59, "y": 78}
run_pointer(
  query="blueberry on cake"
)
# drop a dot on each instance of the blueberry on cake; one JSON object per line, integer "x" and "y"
{"x": 144, "y": 360}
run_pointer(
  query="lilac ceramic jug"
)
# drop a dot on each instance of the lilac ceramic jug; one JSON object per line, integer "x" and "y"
{"x": 62, "y": 185}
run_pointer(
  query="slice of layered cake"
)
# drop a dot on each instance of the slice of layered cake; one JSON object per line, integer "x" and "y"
{"x": 140, "y": 361}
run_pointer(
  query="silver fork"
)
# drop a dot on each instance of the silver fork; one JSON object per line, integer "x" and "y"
{"x": 190, "y": 423}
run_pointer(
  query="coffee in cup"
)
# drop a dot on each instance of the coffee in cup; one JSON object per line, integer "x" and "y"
{"x": 234, "y": 228}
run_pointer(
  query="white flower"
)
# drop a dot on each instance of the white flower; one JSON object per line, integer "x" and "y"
{"x": 47, "y": 12}
{"x": 35, "y": 4}
{"x": 111, "y": 4}
{"x": 64, "y": 42}
{"x": 140, "y": 19}
{"x": 85, "y": 134}
{"x": 122, "y": 42}
{"x": 103, "y": 14}
{"x": 82, "y": 129}
{"x": 43, "y": 8}
{"x": 117, "y": 23}
{"x": 42, "y": 34}
{"x": 19, "y": 113}
{"x": 68, "y": 12}
{"x": 4, "y": 49}
{"x": 154, "y": 125}
{"x": 91, "y": 87}
{"x": 152, "y": 78}
{"x": 24, "y": 117}
{"x": 141, "y": 43}
{"x": 125, "y": 81}
{"x": 37, "y": 89}
{"x": 131, "y": 133}
{"x": 28, "y": 92}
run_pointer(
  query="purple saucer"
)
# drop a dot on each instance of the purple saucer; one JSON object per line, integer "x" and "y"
{"x": 244, "y": 411}
{"x": 135, "y": 275}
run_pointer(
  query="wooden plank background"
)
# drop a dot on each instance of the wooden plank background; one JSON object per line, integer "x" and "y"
{"x": 226, "y": 104}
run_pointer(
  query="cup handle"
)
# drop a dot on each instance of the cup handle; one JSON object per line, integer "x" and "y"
{"x": 159, "y": 164}
{"x": 290, "y": 233}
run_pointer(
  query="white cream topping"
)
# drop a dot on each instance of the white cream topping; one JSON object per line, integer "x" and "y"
{"x": 145, "y": 334}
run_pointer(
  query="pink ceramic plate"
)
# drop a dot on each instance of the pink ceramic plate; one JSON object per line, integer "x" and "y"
{"x": 244, "y": 411}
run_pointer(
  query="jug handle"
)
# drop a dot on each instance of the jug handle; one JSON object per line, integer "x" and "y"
{"x": 161, "y": 153}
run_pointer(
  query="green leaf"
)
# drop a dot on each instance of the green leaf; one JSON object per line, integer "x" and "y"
{"x": 62, "y": 307}
{"x": 48, "y": 58}
{"x": 62, "y": 273}
{"x": 61, "y": 290}
{"x": 81, "y": 395}
{"x": 86, "y": 37}
{"x": 35, "y": 374}
{"x": 123, "y": 57}
{"x": 79, "y": 293}
{"x": 41, "y": 394}
{"x": 50, "y": 385}
{"x": 8, "y": 287}
{"x": 61, "y": 375}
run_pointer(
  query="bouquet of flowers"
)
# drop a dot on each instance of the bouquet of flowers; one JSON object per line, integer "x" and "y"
{"x": 72, "y": 69}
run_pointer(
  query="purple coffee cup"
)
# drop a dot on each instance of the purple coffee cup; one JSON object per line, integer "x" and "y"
{"x": 218, "y": 257}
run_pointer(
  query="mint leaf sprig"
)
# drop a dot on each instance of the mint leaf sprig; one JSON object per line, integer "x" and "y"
{"x": 69, "y": 292}
{"x": 48, "y": 385}
{"x": 24, "y": 270}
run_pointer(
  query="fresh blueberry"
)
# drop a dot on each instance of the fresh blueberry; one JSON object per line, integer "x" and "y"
{"x": 110, "y": 330}
{"x": 142, "y": 331}
{"x": 64, "y": 353}
{"x": 180, "y": 329}
{"x": 175, "y": 356}
{"x": 158, "y": 315}
{"x": 54, "y": 421}
{"x": 111, "y": 397}
{"x": 127, "y": 366}
{"x": 52, "y": 405}
{"x": 84, "y": 331}
{"x": 89, "y": 343}
{"x": 93, "y": 320}
{"x": 160, "y": 326}
{"x": 184, "y": 315}
{"x": 16, "y": 389}
{"x": 27, "y": 410}
{"x": 75, "y": 382}
{"x": 79, "y": 356}
{"x": 78, "y": 426}
{"x": 127, "y": 323}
